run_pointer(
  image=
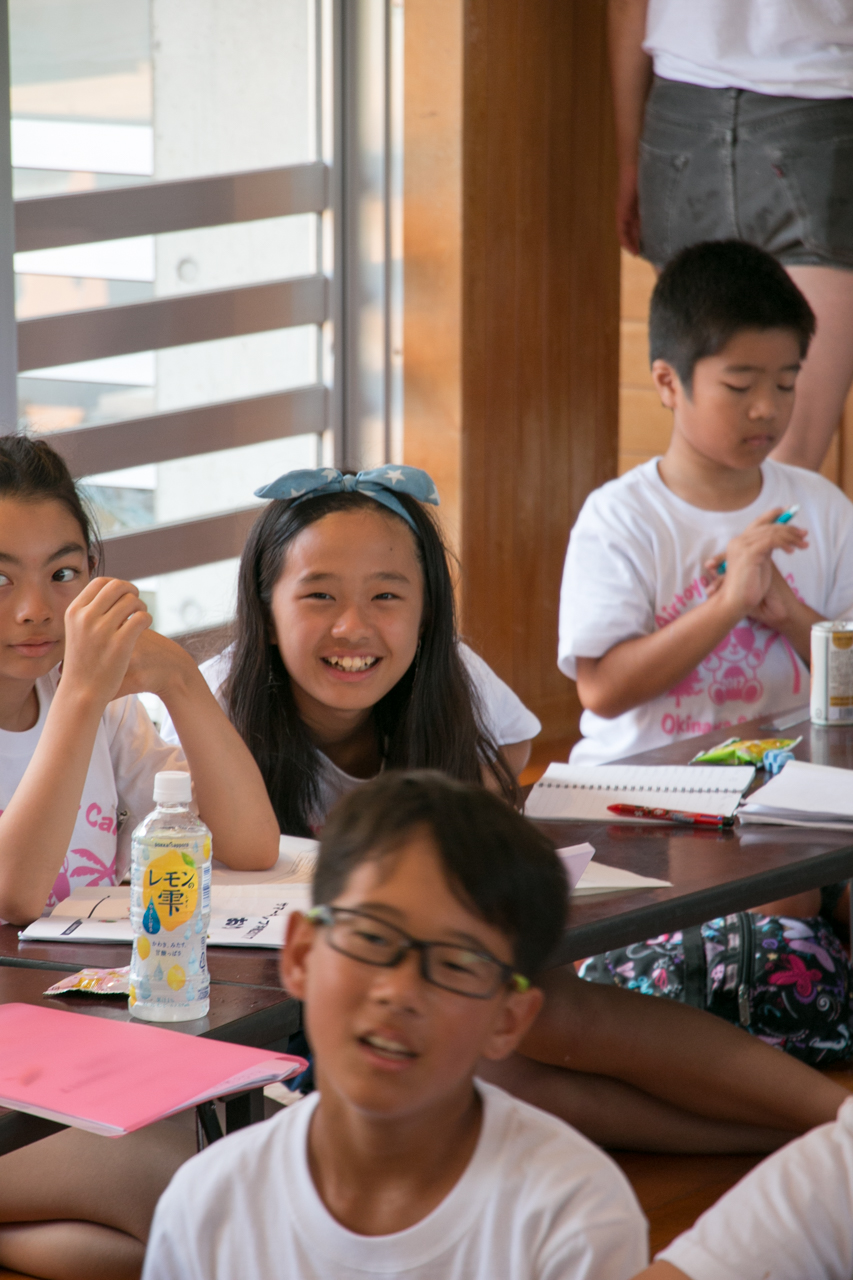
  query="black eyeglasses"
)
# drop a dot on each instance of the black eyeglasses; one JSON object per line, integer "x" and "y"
{"x": 463, "y": 970}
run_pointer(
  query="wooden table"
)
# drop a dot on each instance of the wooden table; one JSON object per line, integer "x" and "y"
{"x": 713, "y": 873}
{"x": 247, "y": 1003}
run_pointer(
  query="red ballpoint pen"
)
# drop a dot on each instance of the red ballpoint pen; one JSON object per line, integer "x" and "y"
{"x": 671, "y": 815}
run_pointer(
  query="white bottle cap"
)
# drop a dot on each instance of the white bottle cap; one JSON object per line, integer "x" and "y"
{"x": 173, "y": 787}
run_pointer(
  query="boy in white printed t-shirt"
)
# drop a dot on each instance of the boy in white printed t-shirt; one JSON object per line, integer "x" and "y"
{"x": 664, "y": 640}
{"x": 436, "y": 905}
{"x": 791, "y": 1218}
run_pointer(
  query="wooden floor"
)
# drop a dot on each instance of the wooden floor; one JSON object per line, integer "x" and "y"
{"x": 674, "y": 1190}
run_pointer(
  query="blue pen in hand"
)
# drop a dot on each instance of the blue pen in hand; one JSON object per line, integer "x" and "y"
{"x": 785, "y": 518}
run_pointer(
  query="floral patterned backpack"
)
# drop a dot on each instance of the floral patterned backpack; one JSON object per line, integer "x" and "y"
{"x": 784, "y": 980}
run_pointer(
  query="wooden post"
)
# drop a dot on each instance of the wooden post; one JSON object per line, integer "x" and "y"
{"x": 527, "y": 320}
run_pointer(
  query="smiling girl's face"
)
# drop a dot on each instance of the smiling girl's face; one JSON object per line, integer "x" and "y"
{"x": 347, "y": 611}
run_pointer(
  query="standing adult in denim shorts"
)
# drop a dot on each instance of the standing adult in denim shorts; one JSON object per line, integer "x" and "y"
{"x": 734, "y": 118}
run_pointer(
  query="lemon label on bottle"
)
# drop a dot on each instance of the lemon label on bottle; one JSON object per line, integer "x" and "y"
{"x": 143, "y": 947}
{"x": 170, "y": 890}
{"x": 176, "y": 977}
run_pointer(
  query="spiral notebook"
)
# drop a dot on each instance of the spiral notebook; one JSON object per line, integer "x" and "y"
{"x": 583, "y": 792}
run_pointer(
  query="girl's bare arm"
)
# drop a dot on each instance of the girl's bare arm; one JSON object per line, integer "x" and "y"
{"x": 516, "y": 755}
{"x": 102, "y": 625}
{"x": 232, "y": 798}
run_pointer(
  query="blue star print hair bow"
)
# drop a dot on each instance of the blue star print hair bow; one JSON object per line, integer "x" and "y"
{"x": 381, "y": 484}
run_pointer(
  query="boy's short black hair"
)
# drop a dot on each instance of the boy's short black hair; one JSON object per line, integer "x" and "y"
{"x": 496, "y": 862}
{"x": 711, "y": 291}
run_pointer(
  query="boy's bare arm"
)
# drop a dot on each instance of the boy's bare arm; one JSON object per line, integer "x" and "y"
{"x": 638, "y": 670}
{"x": 630, "y": 76}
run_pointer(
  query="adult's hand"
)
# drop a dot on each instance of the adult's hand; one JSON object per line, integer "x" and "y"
{"x": 628, "y": 210}
{"x": 631, "y": 78}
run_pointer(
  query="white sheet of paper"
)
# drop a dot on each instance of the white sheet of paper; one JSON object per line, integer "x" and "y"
{"x": 576, "y": 858}
{"x": 241, "y": 915}
{"x": 600, "y": 878}
{"x": 255, "y": 916}
{"x": 61, "y": 929}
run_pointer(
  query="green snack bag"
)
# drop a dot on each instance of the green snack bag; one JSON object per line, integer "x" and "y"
{"x": 744, "y": 750}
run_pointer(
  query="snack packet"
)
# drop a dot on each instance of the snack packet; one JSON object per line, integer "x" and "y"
{"x": 98, "y": 982}
{"x": 775, "y": 761}
{"x": 744, "y": 750}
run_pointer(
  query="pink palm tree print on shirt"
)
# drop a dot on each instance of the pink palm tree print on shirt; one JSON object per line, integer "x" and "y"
{"x": 99, "y": 873}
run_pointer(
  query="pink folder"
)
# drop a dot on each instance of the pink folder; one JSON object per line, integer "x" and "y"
{"x": 113, "y": 1077}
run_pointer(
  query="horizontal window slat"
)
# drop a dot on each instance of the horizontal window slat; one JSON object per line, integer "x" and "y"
{"x": 48, "y": 222}
{"x": 185, "y": 433}
{"x": 170, "y": 322}
{"x": 182, "y": 545}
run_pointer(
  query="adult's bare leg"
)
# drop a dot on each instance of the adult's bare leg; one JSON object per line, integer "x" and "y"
{"x": 691, "y": 1060}
{"x": 74, "y": 1206}
{"x": 827, "y": 373}
{"x": 621, "y": 1117}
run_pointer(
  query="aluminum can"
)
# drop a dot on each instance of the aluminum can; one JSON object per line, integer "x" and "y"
{"x": 832, "y": 673}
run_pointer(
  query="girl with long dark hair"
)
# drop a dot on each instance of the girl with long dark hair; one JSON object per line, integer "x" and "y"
{"x": 346, "y": 658}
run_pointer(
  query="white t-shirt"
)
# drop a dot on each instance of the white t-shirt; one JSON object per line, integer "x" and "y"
{"x": 537, "y": 1200}
{"x": 791, "y": 1218}
{"x": 796, "y": 48}
{"x": 636, "y": 562}
{"x": 126, "y": 755}
{"x": 505, "y": 718}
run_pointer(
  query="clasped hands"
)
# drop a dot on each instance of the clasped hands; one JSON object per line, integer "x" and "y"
{"x": 752, "y": 584}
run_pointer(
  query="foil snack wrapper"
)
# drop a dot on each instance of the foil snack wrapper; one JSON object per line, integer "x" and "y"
{"x": 98, "y": 982}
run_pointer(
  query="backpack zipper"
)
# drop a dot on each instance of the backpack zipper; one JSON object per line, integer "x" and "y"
{"x": 746, "y": 968}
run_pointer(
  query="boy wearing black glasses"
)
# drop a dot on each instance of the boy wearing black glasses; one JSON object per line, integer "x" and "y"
{"x": 437, "y": 905}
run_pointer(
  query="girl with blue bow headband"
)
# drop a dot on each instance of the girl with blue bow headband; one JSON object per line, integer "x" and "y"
{"x": 360, "y": 668}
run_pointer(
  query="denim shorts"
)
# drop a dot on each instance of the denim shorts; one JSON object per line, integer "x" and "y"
{"x": 717, "y": 164}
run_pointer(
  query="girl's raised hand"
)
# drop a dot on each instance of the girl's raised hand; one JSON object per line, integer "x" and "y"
{"x": 155, "y": 664}
{"x": 102, "y": 626}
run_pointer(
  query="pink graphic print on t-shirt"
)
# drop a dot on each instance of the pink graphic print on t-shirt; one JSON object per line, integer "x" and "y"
{"x": 732, "y": 668}
{"x": 77, "y": 865}
{"x": 731, "y": 673}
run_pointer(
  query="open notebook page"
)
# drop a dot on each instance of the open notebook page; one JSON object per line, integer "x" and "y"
{"x": 804, "y": 794}
{"x": 583, "y": 792}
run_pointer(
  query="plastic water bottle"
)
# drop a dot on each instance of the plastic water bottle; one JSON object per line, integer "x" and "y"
{"x": 170, "y": 907}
